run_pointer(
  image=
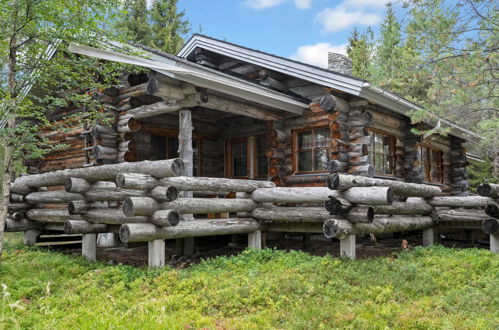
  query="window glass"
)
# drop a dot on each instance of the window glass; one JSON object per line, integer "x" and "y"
{"x": 431, "y": 163}
{"x": 381, "y": 152}
{"x": 262, "y": 161}
{"x": 239, "y": 159}
{"x": 305, "y": 140}
{"x": 305, "y": 161}
{"x": 312, "y": 154}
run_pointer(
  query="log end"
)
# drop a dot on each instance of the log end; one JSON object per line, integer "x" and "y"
{"x": 17, "y": 216}
{"x": 389, "y": 195}
{"x": 171, "y": 193}
{"x": 370, "y": 214}
{"x": 128, "y": 207}
{"x": 173, "y": 218}
{"x": 124, "y": 233}
{"x": 484, "y": 189}
{"x": 178, "y": 166}
{"x": 492, "y": 210}
{"x": 330, "y": 229}
{"x": 68, "y": 185}
{"x": 120, "y": 180}
{"x": 68, "y": 230}
{"x": 490, "y": 226}
{"x": 333, "y": 181}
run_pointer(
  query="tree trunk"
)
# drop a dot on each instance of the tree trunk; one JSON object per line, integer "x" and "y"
{"x": 195, "y": 228}
{"x": 337, "y": 181}
{"x": 381, "y": 225}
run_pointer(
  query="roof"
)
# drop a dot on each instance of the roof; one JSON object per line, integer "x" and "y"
{"x": 184, "y": 70}
{"x": 345, "y": 83}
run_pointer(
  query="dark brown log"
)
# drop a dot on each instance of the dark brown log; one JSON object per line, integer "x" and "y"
{"x": 488, "y": 190}
{"x": 336, "y": 205}
{"x": 195, "y": 228}
{"x": 128, "y": 125}
{"x": 341, "y": 229}
{"x": 165, "y": 218}
{"x": 492, "y": 210}
{"x": 491, "y": 226}
{"x": 337, "y": 181}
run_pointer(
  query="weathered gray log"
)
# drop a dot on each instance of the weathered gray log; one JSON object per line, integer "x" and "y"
{"x": 335, "y": 228}
{"x": 488, "y": 190}
{"x": 490, "y": 226}
{"x": 17, "y": 215}
{"x": 458, "y": 201}
{"x": 168, "y": 91}
{"x": 102, "y": 152}
{"x": 133, "y": 206}
{"x": 147, "y": 206}
{"x": 185, "y": 183}
{"x": 159, "y": 169}
{"x": 50, "y": 215}
{"x": 16, "y": 198}
{"x": 164, "y": 194}
{"x": 492, "y": 210}
{"x": 290, "y": 214}
{"x": 359, "y": 214}
{"x": 337, "y": 181}
{"x": 403, "y": 208}
{"x": 116, "y": 194}
{"x": 112, "y": 217}
{"x": 460, "y": 215}
{"x": 136, "y": 181}
{"x": 56, "y": 196}
{"x": 20, "y": 188}
{"x": 73, "y": 227}
{"x": 330, "y": 102}
{"x": 160, "y": 108}
{"x": 165, "y": 218}
{"x": 12, "y": 225}
{"x": 335, "y": 205}
{"x": 195, "y": 228}
{"x": 356, "y": 195}
{"x": 78, "y": 207}
{"x": 19, "y": 207}
{"x": 77, "y": 185}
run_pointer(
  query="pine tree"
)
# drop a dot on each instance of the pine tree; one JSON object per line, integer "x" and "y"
{"x": 135, "y": 23}
{"x": 360, "y": 51}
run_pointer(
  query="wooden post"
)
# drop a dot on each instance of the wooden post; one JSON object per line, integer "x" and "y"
{"x": 186, "y": 155}
{"x": 30, "y": 237}
{"x": 89, "y": 246}
{"x": 255, "y": 240}
{"x": 156, "y": 253}
{"x": 494, "y": 243}
{"x": 429, "y": 236}
{"x": 347, "y": 247}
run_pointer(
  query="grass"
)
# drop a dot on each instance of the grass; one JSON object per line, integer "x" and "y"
{"x": 423, "y": 288}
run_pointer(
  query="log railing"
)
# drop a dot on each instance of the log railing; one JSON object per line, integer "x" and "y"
{"x": 140, "y": 202}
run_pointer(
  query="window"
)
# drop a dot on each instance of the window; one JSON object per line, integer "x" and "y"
{"x": 246, "y": 157}
{"x": 431, "y": 163}
{"x": 311, "y": 150}
{"x": 381, "y": 152}
{"x": 167, "y": 148}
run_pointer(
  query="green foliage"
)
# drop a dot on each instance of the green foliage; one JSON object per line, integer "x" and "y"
{"x": 424, "y": 288}
{"x": 479, "y": 173}
{"x": 360, "y": 50}
{"x": 161, "y": 26}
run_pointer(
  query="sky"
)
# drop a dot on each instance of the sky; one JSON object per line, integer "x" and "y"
{"x": 303, "y": 30}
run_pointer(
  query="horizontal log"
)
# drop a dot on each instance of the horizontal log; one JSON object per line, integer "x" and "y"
{"x": 78, "y": 207}
{"x": 164, "y": 194}
{"x": 50, "y": 215}
{"x": 112, "y": 217}
{"x": 337, "y": 181}
{"x": 12, "y": 225}
{"x": 461, "y": 201}
{"x": 158, "y": 169}
{"x": 101, "y": 152}
{"x": 165, "y": 218}
{"x": 128, "y": 125}
{"x": 336, "y": 205}
{"x": 185, "y": 183}
{"x": 195, "y": 228}
{"x": 77, "y": 185}
{"x": 133, "y": 206}
{"x": 381, "y": 225}
{"x": 403, "y": 208}
{"x": 359, "y": 214}
{"x": 488, "y": 190}
{"x": 290, "y": 214}
{"x": 492, "y": 210}
{"x": 18, "y": 207}
{"x": 491, "y": 226}
{"x": 73, "y": 227}
{"x": 116, "y": 194}
{"x": 16, "y": 198}
{"x": 356, "y": 195}
{"x": 460, "y": 215}
{"x": 55, "y": 196}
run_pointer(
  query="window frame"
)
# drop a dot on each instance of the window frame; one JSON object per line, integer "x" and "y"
{"x": 296, "y": 150}
{"x": 251, "y": 156}
{"x": 173, "y": 135}
{"x": 427, "y": 165}
{"x": 392, "y": 153}
{"x": 255, "y": 156}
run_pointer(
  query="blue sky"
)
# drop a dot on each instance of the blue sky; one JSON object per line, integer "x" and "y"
{"x": 304, "y": 30}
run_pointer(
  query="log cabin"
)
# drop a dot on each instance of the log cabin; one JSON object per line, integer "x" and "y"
{"x": 230, "y": 111}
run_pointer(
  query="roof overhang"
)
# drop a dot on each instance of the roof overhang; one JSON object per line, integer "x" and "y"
{"x": 200, "y": 76}
{"x": 323, "y": 77}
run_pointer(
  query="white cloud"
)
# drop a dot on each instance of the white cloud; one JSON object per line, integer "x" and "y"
{"x": 366, "y": 3}
{"x": 317, "y": 54}
{"x": 340, "y": 17}
{"x": 264, "y": 4}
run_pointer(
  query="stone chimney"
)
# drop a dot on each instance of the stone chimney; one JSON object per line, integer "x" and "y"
{"x": 339, "y": 63}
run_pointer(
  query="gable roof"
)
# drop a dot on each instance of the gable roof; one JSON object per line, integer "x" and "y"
{"x": 345, "y": 83}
